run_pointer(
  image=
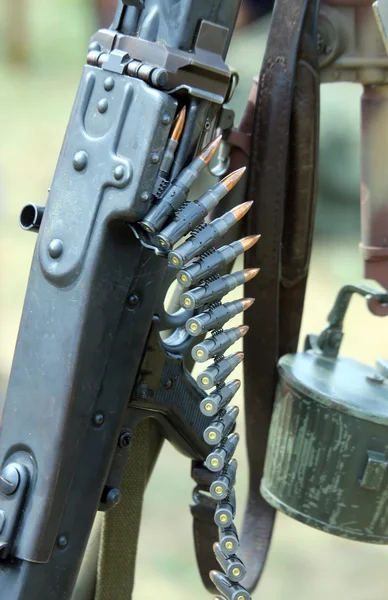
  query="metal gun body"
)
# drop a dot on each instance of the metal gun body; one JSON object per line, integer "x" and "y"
{"x": 93, "y": 295}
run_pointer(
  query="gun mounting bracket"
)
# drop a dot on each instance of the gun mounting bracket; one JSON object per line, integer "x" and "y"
{"x": 201, "y": 73}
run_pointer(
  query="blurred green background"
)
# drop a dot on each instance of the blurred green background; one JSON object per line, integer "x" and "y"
{"x": 36, "y": 99}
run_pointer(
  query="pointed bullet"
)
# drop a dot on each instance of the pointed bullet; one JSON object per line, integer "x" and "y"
{"x": 209, "y": 151}
{"x": 179, "y": 125}
{"x": 244, "y": 330}
{"x": 215, "y": 290}
{"x": 193, "y": 213}
{"x": 249, "y": 241}
{"x": 247, "y": 302}
{"x": 233, "y": 178}
{"x": 207, "y": 236}
{"x": 241, "y": 210}
{"x": 176, "y": 194}
{"x": 217, "y": 344}
{"x": 215, "y": 318}
{"x": 250, "y": 274}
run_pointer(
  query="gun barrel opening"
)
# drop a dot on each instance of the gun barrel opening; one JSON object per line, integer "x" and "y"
{"x": 31, "y": 217}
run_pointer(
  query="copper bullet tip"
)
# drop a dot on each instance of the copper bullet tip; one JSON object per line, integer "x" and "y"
{"x": 250, "y": 274}
{"x": 243, "y": 330}
{"x": 247, "y": 302}
{"x": 210, "y": 150}
{"x": 241, "y": 210}
{"x": 179, "y": 124}
{"x": 249, "y": 241}
{"x": 233, "y": 178}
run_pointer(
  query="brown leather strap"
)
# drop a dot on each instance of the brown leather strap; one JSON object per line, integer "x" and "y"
{"x": 282, "y": 181}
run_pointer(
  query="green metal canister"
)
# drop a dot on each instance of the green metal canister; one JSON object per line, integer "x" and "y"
{"x": 327, "y": 455}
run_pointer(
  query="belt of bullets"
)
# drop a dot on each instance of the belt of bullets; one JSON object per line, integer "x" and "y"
{"x": 204, "y": 289}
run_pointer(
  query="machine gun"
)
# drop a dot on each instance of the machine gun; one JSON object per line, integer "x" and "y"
{"x": 102, "y": 371}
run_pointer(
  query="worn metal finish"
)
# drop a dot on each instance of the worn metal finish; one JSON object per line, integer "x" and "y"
{"x": 327, "y": 457}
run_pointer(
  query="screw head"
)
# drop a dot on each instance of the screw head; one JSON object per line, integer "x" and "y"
{"x": 145, "y": 196}
{"x": 113, "y": 497}
{"x": 80, "y": 160}
{"x": 125, "y": 439}
{"x": 133, "y": 301}
{"x": 55, "y": 248}
{"x": 168, "y": 383}
{"x": 166, "y": 120}
{"x": 102, "y": 105}
{"x": 9, "y": 480}
{"x": 155, "y": 158}
{"x": 119, "y": 172}
{"x": 62, "y": 541}
{"x": 98, "y": 419}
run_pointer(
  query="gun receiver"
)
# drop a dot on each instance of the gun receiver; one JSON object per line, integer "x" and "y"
{"x": 89, "y": 359}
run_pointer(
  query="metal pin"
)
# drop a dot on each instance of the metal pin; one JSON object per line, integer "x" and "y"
{"x": 215, "y": 318}
{"x": 219, "y": 371}
{"x": 231, "y": 591}
{"x": 222, "y": 486}
{"x": 226, "y": 511}
{"x": 193, "y": 213}
{"x": 176, "y": 194}
{"x": 218, "y": 343}
{"x": 211, "y": 232}
{"x": 221, "y": 426}
{"x": 215, "y": 290}
{"x": 233, "y": 567}
{"x": 217, "y": 459}
{"x": 220, "y": 398}
{"x": 168, "y": 156}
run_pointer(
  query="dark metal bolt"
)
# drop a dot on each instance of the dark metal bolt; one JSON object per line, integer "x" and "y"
{"x": 144, "y": 392}
{"x": 113, "y": 497}
{"x": 168, "y": 383}
{"x": 9, "y": 480}
{"x": 62, "y": 541}
{"x": 98, "y": 419}
{"x": 125, "y": 439}
{"x": 133, "y": 300}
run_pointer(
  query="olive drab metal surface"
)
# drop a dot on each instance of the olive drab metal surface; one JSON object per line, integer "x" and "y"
{"x": 327, "y": 456}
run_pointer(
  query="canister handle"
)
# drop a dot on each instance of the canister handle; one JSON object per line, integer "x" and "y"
{"x": 328, "y": 342}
